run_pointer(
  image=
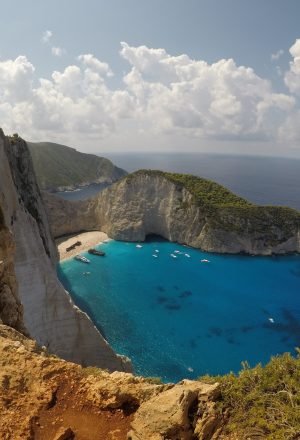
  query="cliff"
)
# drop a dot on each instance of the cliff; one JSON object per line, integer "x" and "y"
{"x": 60, "y": 168}
{"x": 183, "y": 209}
{"x": 39, "y": 304}
{"x": 11, "y": 309}
{"x": 45, "y": 398}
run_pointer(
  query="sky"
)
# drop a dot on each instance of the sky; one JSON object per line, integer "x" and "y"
{"x": 169, "y": 75}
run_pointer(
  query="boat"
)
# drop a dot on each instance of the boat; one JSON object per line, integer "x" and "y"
{"x": 95, "y": 252}
{"x": 173, "y": 256}
{"x": 82, "y": 259}
{"x": 187, "y": 255}
{"x": 205, "y": 261}
{"x": 139, "y": 246}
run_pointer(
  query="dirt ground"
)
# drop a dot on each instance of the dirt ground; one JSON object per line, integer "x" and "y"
{"x": 69, "y": 409}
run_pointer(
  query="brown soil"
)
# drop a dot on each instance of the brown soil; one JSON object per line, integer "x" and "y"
{"x": 68, "y": 408}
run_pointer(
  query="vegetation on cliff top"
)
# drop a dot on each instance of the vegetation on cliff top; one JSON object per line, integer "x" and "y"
{"x": 262, "y": 401}
{"x": 57, "y": 166}
{"x": 226, "y": 210}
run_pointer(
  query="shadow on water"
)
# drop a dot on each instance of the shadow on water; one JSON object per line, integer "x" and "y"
{"x": 185, "y": 294}
{"x": 290, "y": 327}
{"x": 172, "y": 306}
{"x": 295, "y": 272}
{"x": 161, "y": 299}
{"x": 215, "y": 331}
{"x": 193, "y": 343}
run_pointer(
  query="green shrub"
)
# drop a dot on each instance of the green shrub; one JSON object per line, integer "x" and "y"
{"x": 264, "y": 398}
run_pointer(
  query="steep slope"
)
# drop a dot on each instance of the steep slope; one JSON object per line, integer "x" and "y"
{"x": 49, "y": 314}
{"x": 59, "y": 167}
{"x": 11, "y": 310}
{"x": 181, "y": 208}
{"x": 45, "y": 398}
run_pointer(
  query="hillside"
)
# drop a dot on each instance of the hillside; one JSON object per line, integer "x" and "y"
{"x": 59, "y": 167}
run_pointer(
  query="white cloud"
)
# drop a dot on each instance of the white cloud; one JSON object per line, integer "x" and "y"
{"x": 57, "y": 51}
{"x": 203, "y": 100}
{"x": 47, "y": 35}
{"x": 292, "y": 77}
{"x": 162, "y": 95}
{"x": 275, "y": 56}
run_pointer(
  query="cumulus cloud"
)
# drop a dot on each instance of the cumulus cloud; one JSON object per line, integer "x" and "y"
{"x": 161, "y": 94}
{"x": 47, "y": 35}
{"x": 204, "y": 100}
{"x": 275, "y": 56}
{"x": 292, "y": 77}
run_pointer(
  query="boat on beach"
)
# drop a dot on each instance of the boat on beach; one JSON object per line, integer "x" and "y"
{"x": 82, "y": 259}
{"x": 96, "y": 252}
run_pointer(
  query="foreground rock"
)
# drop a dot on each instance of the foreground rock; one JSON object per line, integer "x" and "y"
{"x": 45, "y": 398}
{"x": 183, "y": 209}
{"x": 41, "y": 305}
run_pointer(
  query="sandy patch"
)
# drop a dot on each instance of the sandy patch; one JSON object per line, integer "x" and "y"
{"x": 87, "y": 239}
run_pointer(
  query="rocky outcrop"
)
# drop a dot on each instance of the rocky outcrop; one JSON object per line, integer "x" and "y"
{"x": 11, "y": 309}
{"x": 48, "y": 312}
{"x": 43, "y": 397}
{"x": 152, "y": 202}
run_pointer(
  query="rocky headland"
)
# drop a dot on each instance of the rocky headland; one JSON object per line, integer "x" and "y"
{"x": 181, "y": 208}
{"x": 61, "y": 168}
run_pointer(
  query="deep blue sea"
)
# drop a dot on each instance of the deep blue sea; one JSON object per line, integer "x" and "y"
{"x": 263, "y": 180}
{"x": 180, "y": 317}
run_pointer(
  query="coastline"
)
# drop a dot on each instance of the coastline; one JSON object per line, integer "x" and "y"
{"x": 87, "y": 239}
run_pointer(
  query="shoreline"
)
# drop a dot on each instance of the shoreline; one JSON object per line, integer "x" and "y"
{"x": 87, "y": 239}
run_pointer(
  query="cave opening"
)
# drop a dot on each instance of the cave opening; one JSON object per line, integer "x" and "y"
{"x": 150, "y": 238}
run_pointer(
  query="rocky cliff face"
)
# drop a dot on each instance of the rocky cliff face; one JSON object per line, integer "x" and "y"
{"x": 11, "y": 309}
{"x": 43, "y": 398}
{"x": 49, "y": 314}
{"x": 150, "y": 202}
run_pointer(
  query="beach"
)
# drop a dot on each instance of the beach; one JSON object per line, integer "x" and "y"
{"x": 87, "y": 239}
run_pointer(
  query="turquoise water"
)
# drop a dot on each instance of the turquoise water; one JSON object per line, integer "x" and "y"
{"x": 178, "y": 317}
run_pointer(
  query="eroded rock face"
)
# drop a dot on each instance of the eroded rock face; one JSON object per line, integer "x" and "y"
{"x": 49, "y": 314}
{"x": 177, "y": 413}
{"x": 11, "y": 309}
{"x": 43, "y": 397}
{"x": 149, "y": 203}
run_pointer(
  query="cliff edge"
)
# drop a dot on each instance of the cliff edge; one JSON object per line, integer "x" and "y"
{"x": 31, "y": 297}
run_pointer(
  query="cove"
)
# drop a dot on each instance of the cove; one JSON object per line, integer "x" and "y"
{"x": 177, "y": 317}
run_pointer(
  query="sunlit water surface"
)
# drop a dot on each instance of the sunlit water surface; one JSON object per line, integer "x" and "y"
{"x": 180, "y": 317}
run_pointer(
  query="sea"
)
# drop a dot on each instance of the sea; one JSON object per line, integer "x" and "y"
{"x": 178, "y": 312}
{"x": 262, "y": 180}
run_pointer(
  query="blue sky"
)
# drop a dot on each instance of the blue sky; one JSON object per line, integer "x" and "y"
{"x": 174, "y": 111}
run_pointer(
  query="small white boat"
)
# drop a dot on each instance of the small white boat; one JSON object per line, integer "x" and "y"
{"x": 154, "y": 255}
{"x": 271, "y": 320}
{"x": 173, "y": 256}
{"x": 205, "y": 261}
{"x": 190, "y": 369}
{"x": 187, "y": 255}
{"x": 139, "y": 246}
{"x": 156, "y": 250}
{"x": 176, "y": 252}
{"x": 82, "y": 259}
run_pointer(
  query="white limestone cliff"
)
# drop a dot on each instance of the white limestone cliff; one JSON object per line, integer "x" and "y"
{"x": 49, "y": 315}
{"x": 149, "y": 202}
